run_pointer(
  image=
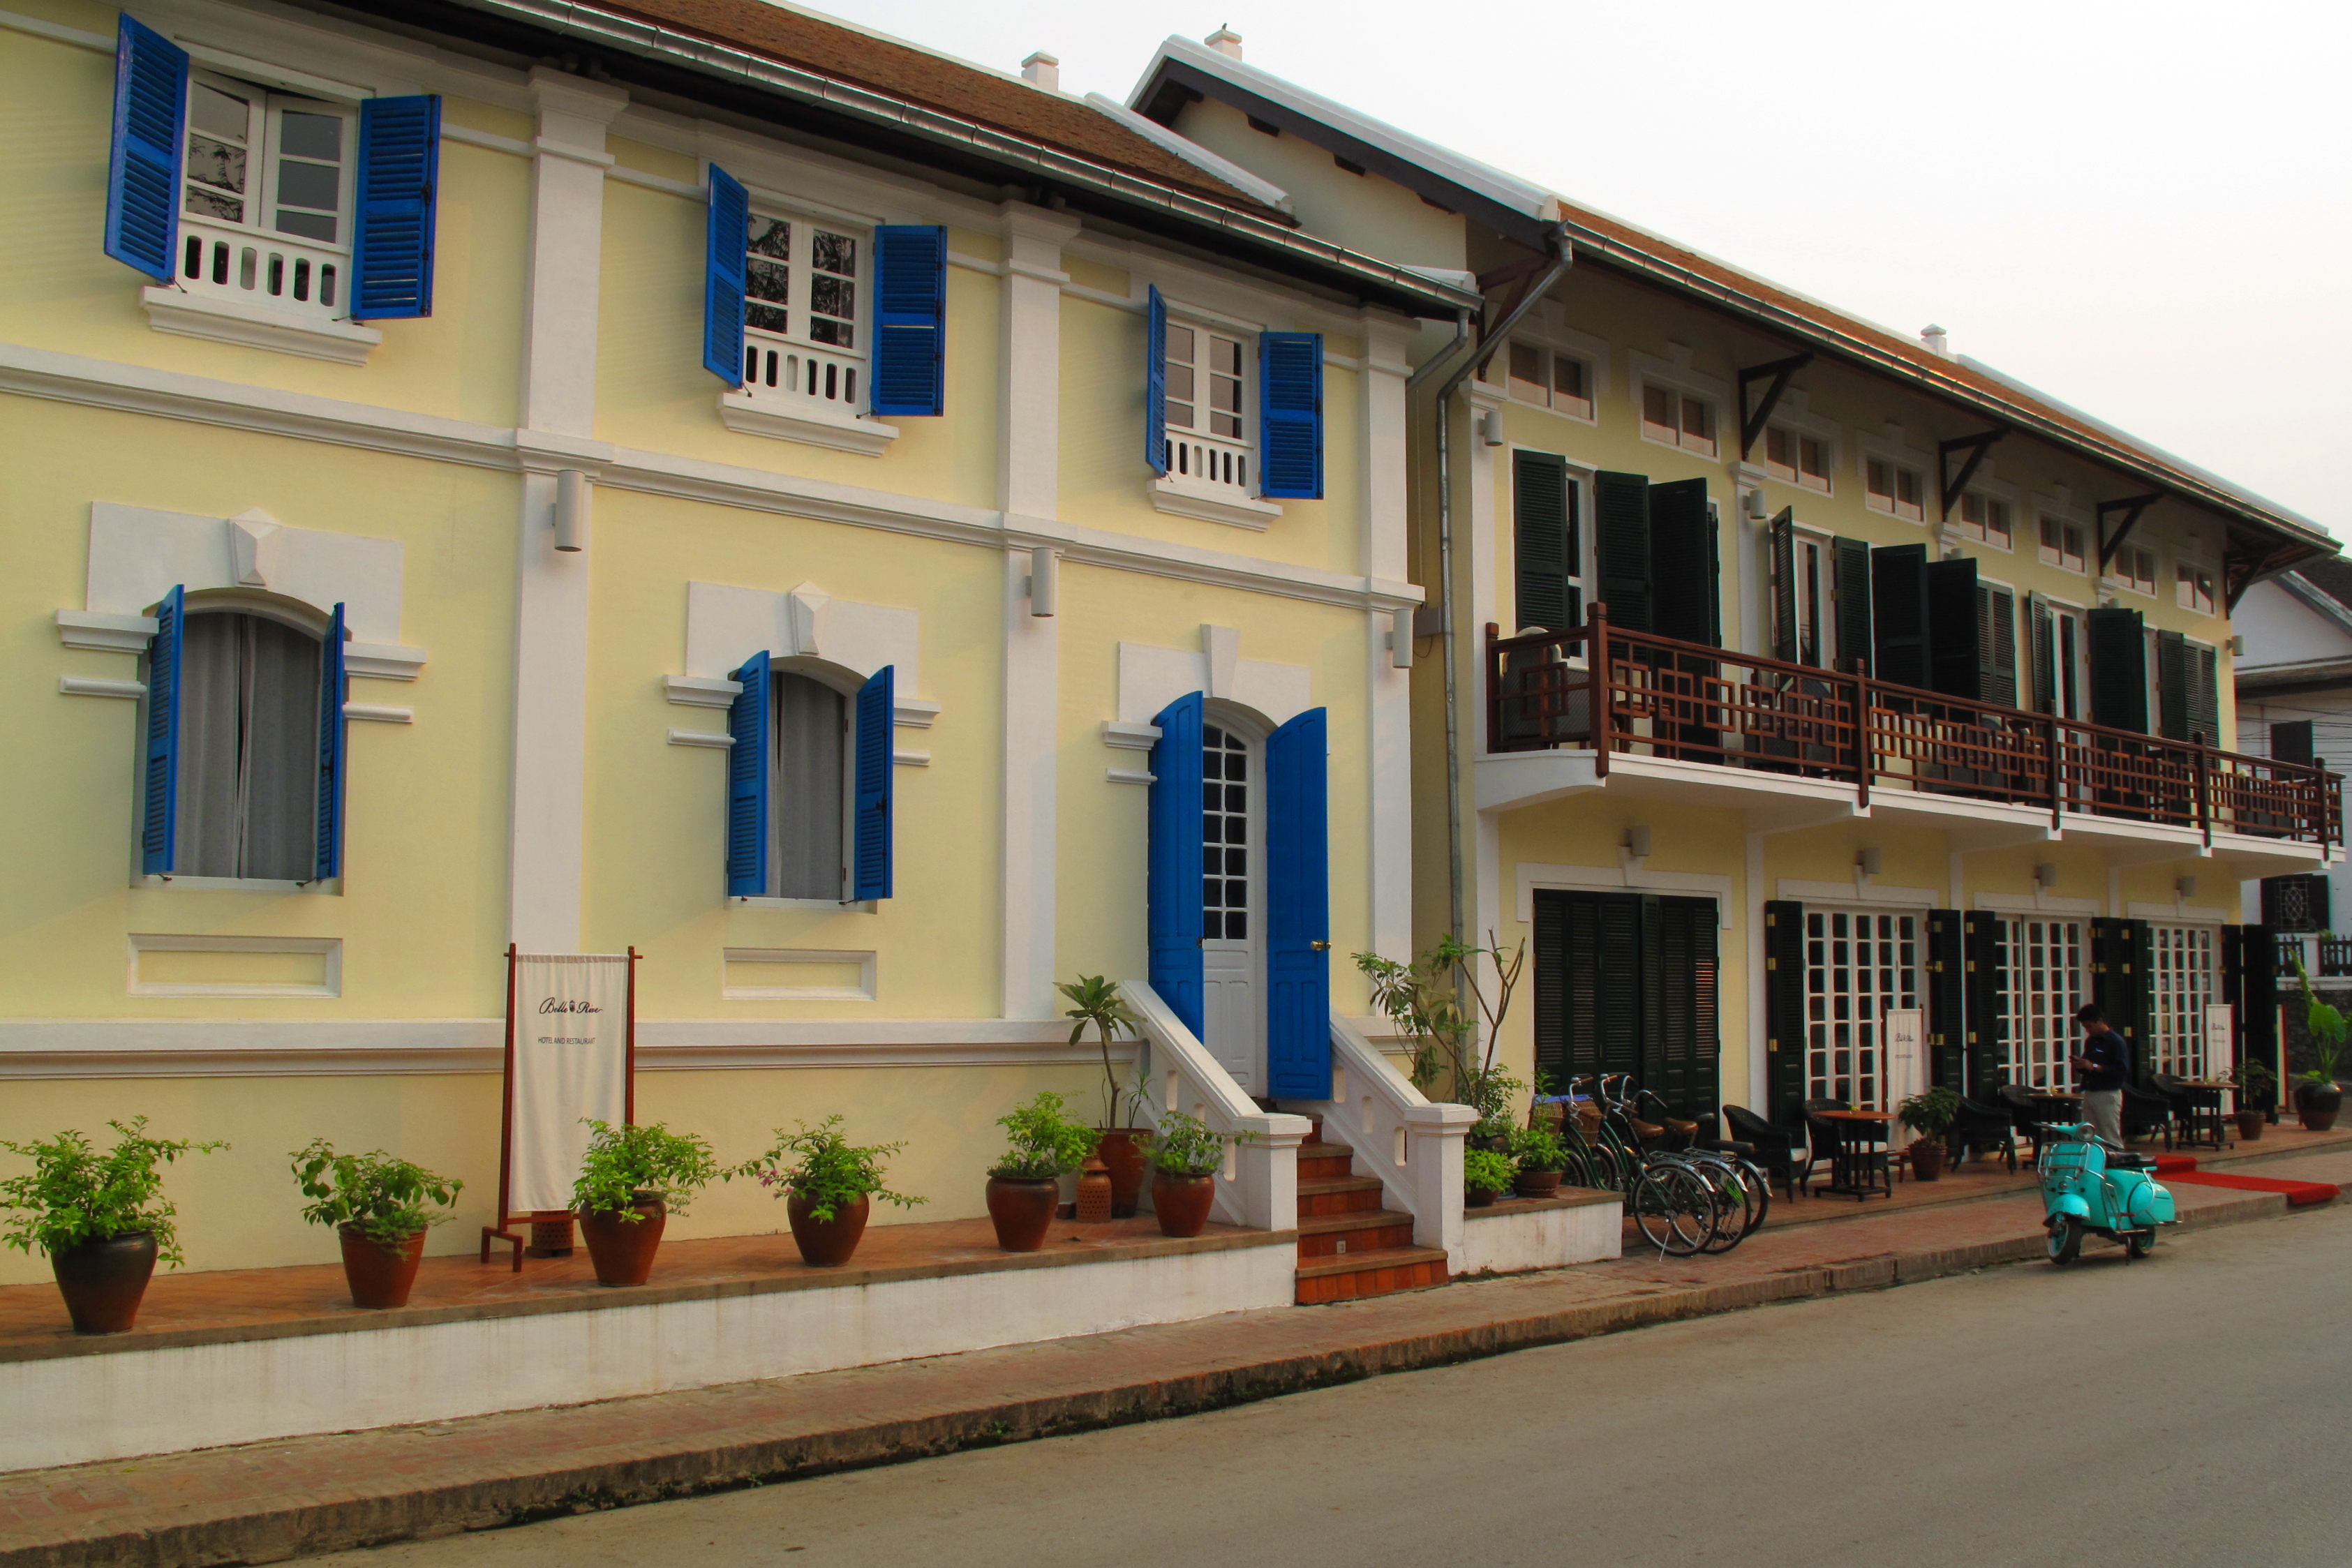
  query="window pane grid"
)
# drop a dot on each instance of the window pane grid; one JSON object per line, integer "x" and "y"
{"x": 2045, "y": 989}
{"x": 1858, "y": 968}
{"x": 2182, "y": 982}
{"x": 1225, "y": 835}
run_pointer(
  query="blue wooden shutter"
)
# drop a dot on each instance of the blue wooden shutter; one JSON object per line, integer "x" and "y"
{"x": 334, "y": 687}
{"x": 143, "y": 170}
{"x": 399, "y": 183}
{"x": 723, "y": 282}
{"x": 876, "y": 712}
{"x": 1290, "y": 415}
{"x": 1297, "y": 853}
{"x": 159, "y": 778}
{"x": 910, "y": 320}
{"x": 1173, "y": 860}
{"x": 1155, "y": 385}
{"x": 749, "y": 766}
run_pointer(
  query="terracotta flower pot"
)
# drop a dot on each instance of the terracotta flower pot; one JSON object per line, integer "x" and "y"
{"x": 1927, "y": 1159}
{"x": 2315, "y": 1106}
{"x": 1182, "y": 1202}
{"x": 1478, "y": 1197}
{"x": 1123, "y": 1156}
{"x": 623, "y": 1249}
{"x": 2250, "y": 1125}
{"x": 1022, "y": 1208}
{"x": 1537, "y": 1184}
{"x": 380, "y": 1276}
{"x": 827, "y": 1243}
{"x": 102, "y": 1281}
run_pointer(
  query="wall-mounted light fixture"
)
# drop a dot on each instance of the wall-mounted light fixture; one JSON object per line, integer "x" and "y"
{"x": 1490, "y": 428}
{"x": 2045, "y": 876}
{"x": 1637, "y": 843}
{"x": 2186, "y": 888}
{"x": 1868, "y": 860}
{"x": 1044, "y": 581}
{"x": 570, "y": 511}
{"x": 1401, "y": 637}
{"x": 1753, "y": 502}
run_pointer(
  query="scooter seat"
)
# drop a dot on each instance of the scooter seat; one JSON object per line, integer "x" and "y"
{"x": 2130, "y": 1163}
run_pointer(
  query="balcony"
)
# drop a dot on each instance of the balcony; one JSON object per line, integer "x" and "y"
{"x": 1679, "y": 715}
{"x": 2324, "y": 957}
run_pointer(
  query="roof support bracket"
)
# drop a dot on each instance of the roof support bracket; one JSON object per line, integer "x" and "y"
{"x": 1779, "y": 374}
{"x": 1953, "y": 486}
{"x": 2131, "y": 507}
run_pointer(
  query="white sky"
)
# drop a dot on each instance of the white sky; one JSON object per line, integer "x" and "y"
{"x": 2142, "y": 209}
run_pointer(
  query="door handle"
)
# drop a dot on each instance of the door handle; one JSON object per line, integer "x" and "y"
{"x": 1320, "y": 947}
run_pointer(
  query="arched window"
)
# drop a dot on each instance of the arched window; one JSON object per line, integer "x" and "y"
{"x": 248, "y": 782}
{"x": 808, "y": 783}
{"x": 813, "y": 761}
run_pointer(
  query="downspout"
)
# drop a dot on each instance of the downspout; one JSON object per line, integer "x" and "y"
{"x": 1563, "y": 258}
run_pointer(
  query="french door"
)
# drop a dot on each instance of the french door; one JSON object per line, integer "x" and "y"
{"x": 1860, "y": 966}
{"x": 2048, "y": 969}
{"x": 2184, "y": 981}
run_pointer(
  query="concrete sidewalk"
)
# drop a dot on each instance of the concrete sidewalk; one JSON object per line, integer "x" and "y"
{"x": 271, "y": 1500}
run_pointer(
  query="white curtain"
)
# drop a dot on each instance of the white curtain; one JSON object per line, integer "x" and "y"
{"x": 811, "y": 724}
{"x": 248, "y": 748}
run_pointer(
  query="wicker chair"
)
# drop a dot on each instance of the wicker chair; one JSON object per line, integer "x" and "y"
{"x": 2023, "y": 1113}
{"x": 2146, "y": 1113}
{"x": 1783, "y": 1151}
{"x": 1982, "y": 1129}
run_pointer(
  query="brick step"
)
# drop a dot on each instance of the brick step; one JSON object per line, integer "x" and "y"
{"x": 1324, "y": 1162}
{"x": 1352, "y": 1235}
{"x": 1354, "y": 1275}
{"x": 1343, "y": 1194}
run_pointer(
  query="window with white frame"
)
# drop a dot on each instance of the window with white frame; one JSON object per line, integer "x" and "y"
{"x": 813, "y": 792}
{"x": 802, "y": 308}
{"x": 1551, "y": 379}
{"x": 1795, "y": 459}
{"x": 2134, "y": 567}
{"x": 1677, "y": 418}
{"x": 1987, "y": 518}
{"x": 2049, "y": 962}
{"x": 1894, "y": 487}
{"x": 246, "y": 767}
{"x": 2062, "y": 543}
{"x": 1207, "y": 407}
{"x": 1810, "y": 559}
{"x": 2193, "y": 590}
{"x": 266, "y": 200}
{"x": 2183, "y": 978}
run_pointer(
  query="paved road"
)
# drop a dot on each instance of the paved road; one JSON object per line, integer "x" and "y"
{"x": 2190, "y": 1410}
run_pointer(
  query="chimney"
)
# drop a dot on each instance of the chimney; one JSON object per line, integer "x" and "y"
{"x": 1225, "y": 41}
{"x": 1042, "y": 69}
{"x": 1936, "y": 339}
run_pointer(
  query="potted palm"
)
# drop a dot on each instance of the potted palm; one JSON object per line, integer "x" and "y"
{"x": 1096, "y": 1003}
{"x": 830, "y": 1186}
{"x": 631, "y": 1180}
{"x": 102, "y": 1218}
{"x": 2252, "y": 1079}
{"x": 1538, "y": 1157}
{"x": 380, "y": 1208}
{"x": 1486, "y": 1176}
{"x": 1930, "y": 1114}
{"x": 2317, "y": 1097}
{"x": 1024, "y": 1186}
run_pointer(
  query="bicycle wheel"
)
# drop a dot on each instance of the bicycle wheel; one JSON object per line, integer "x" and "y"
{"x": 1671, "y": 1207}
{"x": 1759, "y": 1194}
{"x": 1731, "y": 1206}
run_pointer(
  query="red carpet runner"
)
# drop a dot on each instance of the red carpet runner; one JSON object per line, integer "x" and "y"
{"x": 2298, "y": 1194}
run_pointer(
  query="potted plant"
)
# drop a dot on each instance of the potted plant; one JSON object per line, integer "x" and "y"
{"x": 1096, "y": 1003}
{"x": 2317, "y": 1097}
{"x": 1931, "y": 1115}
{"x": 1538, "y": 1157}
{"x": 102, "y": 1218}
{"x": 631, "y": 1180}
{"x": 1186, "y": 1155}
{"x": 1486, "y": 1176}
{"x": 830, "y": 1186}
{"x": 1025, "y": 1187}
{"x": 380, "y": 1210}
{"x": 2252, "y": 1079}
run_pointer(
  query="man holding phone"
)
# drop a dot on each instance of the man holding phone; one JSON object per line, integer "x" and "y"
{"x": 2100, "y": 1068}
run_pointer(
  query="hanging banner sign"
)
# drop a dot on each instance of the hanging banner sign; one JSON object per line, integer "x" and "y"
{"x": 571, "y": 1029}
{"x": 2220, "y": 1041}
{"x": 1906, "y": 1055}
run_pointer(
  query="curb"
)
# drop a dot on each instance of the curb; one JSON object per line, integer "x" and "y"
{"x": 303, "y": 1526}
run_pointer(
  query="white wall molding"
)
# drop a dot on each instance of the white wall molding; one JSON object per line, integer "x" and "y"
{"x": 89, "y": 686}
{"x": 715, "y": 740}
{"x": 2037, "y": 903}
{"x": 329, "y": 950}
{"x": 249, "y": 326}
{"x": 1129, "y": 776}
{"x": 107, "y": 633}
{"x": 139, "y": 554}
{"x": 1630, "y": 878}
{"x": 1175, "y": 497}
{"x": 1150, "y": 678}
{"x": 1130, "y": 736}
{"x": 1029, "y": 402}
{"x": 788, "y": 975}
{"x": 2181, "y": 913}
{"x": 726, "y": 624}
{"x": 383, "y": 661}
{"x": 1031, "y": 698}
{"x": 379, "y": 713}
{"x": 1857, "y": 892}
{"x": 747, "y": 413}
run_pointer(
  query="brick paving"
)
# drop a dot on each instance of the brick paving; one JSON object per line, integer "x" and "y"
{"x": 270, "y": 1500}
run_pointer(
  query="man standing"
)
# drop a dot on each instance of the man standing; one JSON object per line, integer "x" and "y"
{"x": 2100, "y": 1069}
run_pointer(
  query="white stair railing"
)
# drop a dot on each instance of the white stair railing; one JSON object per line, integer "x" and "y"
{"x": 1397, "y": 1135}
{"x": 1259, "y": 1183}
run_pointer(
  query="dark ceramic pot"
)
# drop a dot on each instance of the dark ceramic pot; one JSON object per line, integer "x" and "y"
{"x": 380, "y": 1277}
{"x": 1537, "y": 1184}
{"x": 2315, "y": 1106}
{"x": 1927, "y": 1159}
{"x": 827, "y": 1243}
{"x": 102, "y": 1281}
{"x": 1022, "y": 1208}
{"x": 623, "y": 1249}
{"x": 1478, "y": 1197}
{"x": 2250, "y": 1125}
{"x": 1182, "y": 1202}
{"x": 1122, "y": 1153}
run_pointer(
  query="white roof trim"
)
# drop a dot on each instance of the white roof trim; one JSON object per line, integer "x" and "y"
{"x": 1200, "y": 157}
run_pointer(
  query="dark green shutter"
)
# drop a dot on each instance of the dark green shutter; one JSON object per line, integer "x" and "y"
{"x": 1996, "y": 645}
{"x": 1784, "y": 1010}
{"x": 2294, "y": 742}
{"x": 2172, "y": 685}
{"x": 2118, "y": 670}
{"x": 1681, "y": 1024}
{"x": 1540, "y": 534}
{"x": 1956, "y": 660}
{"x": 2119, "y": 984}
{"x": 2253, "y": 991}
{"x": 2204, "y": 695}
{"x": 1898, "y": 594}
{"x": 1985, "y": 950}
{"x": 1783, "y": 537}
{"x": 2045, "y": 654}
{"x": 1851, "y": 558}
{"x": 1621, "y": 547}
{"x": 1684, "y": 582}
{"x": 1947, "y": 1001}
{"x": 1588, "y": 985}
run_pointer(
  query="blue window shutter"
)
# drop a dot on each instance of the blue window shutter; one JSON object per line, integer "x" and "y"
{"x": 150, "y": 131}
{"x": 333, "y": 688}
{"x": 750, "y": 764}
{"x": 1173, "y": 860}
{"x": 876, "y": 712}
{"x": 725, "y": 259}
{"x": 160, "y": 776}
{"x": 1290, "y": 415}
{"x": 910, "y": 320}
{"x": 1298, "y": 910}
{"x": 399, "y": 183}
{"x": 1155, "y": 385}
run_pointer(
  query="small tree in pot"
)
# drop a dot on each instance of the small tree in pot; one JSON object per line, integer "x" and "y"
{"x": 631, "y": 1180}
{"x": 831, "y": 1185}
{"x": 102, "y": 1218}
{"x": 1024, "y": 1186}
{"x": 1097, "y": 1005}
{"x": 2317, "y": 1097}
{"x": 380, "y": 1210}
{"x": 2252, "y": 1080}
{"x": 1186, "y": 1155}
{"x": 1930, "y": 1114}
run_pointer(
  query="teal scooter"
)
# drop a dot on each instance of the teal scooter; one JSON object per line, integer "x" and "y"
{"x": 2090, "y": 1185}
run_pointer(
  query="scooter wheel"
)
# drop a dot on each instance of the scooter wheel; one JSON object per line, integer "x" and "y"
{"x": 2065, "y": 1238}
{"x": 2139, "y": 1243}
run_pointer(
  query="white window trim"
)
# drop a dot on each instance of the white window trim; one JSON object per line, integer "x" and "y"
{"x": 1893, "y": 449}
{"x": 330, "y": 947}
{"x": 774, "y": 413}
{"x": 1803, "y": 424}
{"x": 2066, "y": 511}
{"x": 1583, "y": 347}
{"x": 783, "y": 958}
{"x": 2112, "y": 578}
{"x": 1241, "y": 507}
{"x": 1674, "y": 372}
{"x": 2012, "y": 496}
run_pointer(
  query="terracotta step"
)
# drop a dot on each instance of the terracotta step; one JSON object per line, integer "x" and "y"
{"x": 1324, "y": 1162}
{"x": 1354, "y": 1275}
{"x": 1344, "y": 1195}
{"x": 1352, "y": 1235}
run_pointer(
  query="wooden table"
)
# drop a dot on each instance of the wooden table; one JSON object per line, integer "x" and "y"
{"x": 1852, "y": 1169}
{"x": 2206, "y": 1125}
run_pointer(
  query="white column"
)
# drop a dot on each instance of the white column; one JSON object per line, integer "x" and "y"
{"x": 557, "y": 402}
{"x": 1385, "y": 558}
{"x": 1030, "y": 456}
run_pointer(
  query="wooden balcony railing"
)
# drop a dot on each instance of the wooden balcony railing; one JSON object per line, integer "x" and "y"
{"x": 1630, "y": 694}
{"x": 2324, "y": 957}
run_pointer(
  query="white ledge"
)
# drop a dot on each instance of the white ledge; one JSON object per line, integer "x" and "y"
{"x": 702, "y": 691}
{"x": 1130, "y": 736}
{"x": 107, "y": 633}
{"x": 1129, "y": 776}
{"x": 913, "y": 713}
{"x": 92, "y": 687}
{"x": 784, "y": 417}
{"x": 192, "y": 315}
{"x": 910, "y": 759}
{"x": 381, "y": 715}
{"x": 1174, "y": 496}
{"x": 383, "y": 661}
{"x": 701, "y": 738}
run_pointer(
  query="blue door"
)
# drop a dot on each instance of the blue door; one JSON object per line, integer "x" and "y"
{"x": 1173, "y": 899}
{"x": 1298, "y": 910}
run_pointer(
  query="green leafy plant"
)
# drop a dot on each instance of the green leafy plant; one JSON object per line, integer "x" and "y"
{"x": 1097, "y": 1003}
{"x": 1484, "y": 1170}
{"x": 74, "y": 1194}
{"x": 2327, "y": 1027}
{"x": 1426, "y": 1000}
{"x": 387, "y": 1200}
{"x": 1186, "y": 1146}
{"x": 1538, "y": 1149}
{"x": 2251, "y": 1076}
{"x": 622, "y": 1162}
{"x": 1931, "y": 1113}
{"x": 1044, "y": 1142}
{"x": 821, "y": 1165}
